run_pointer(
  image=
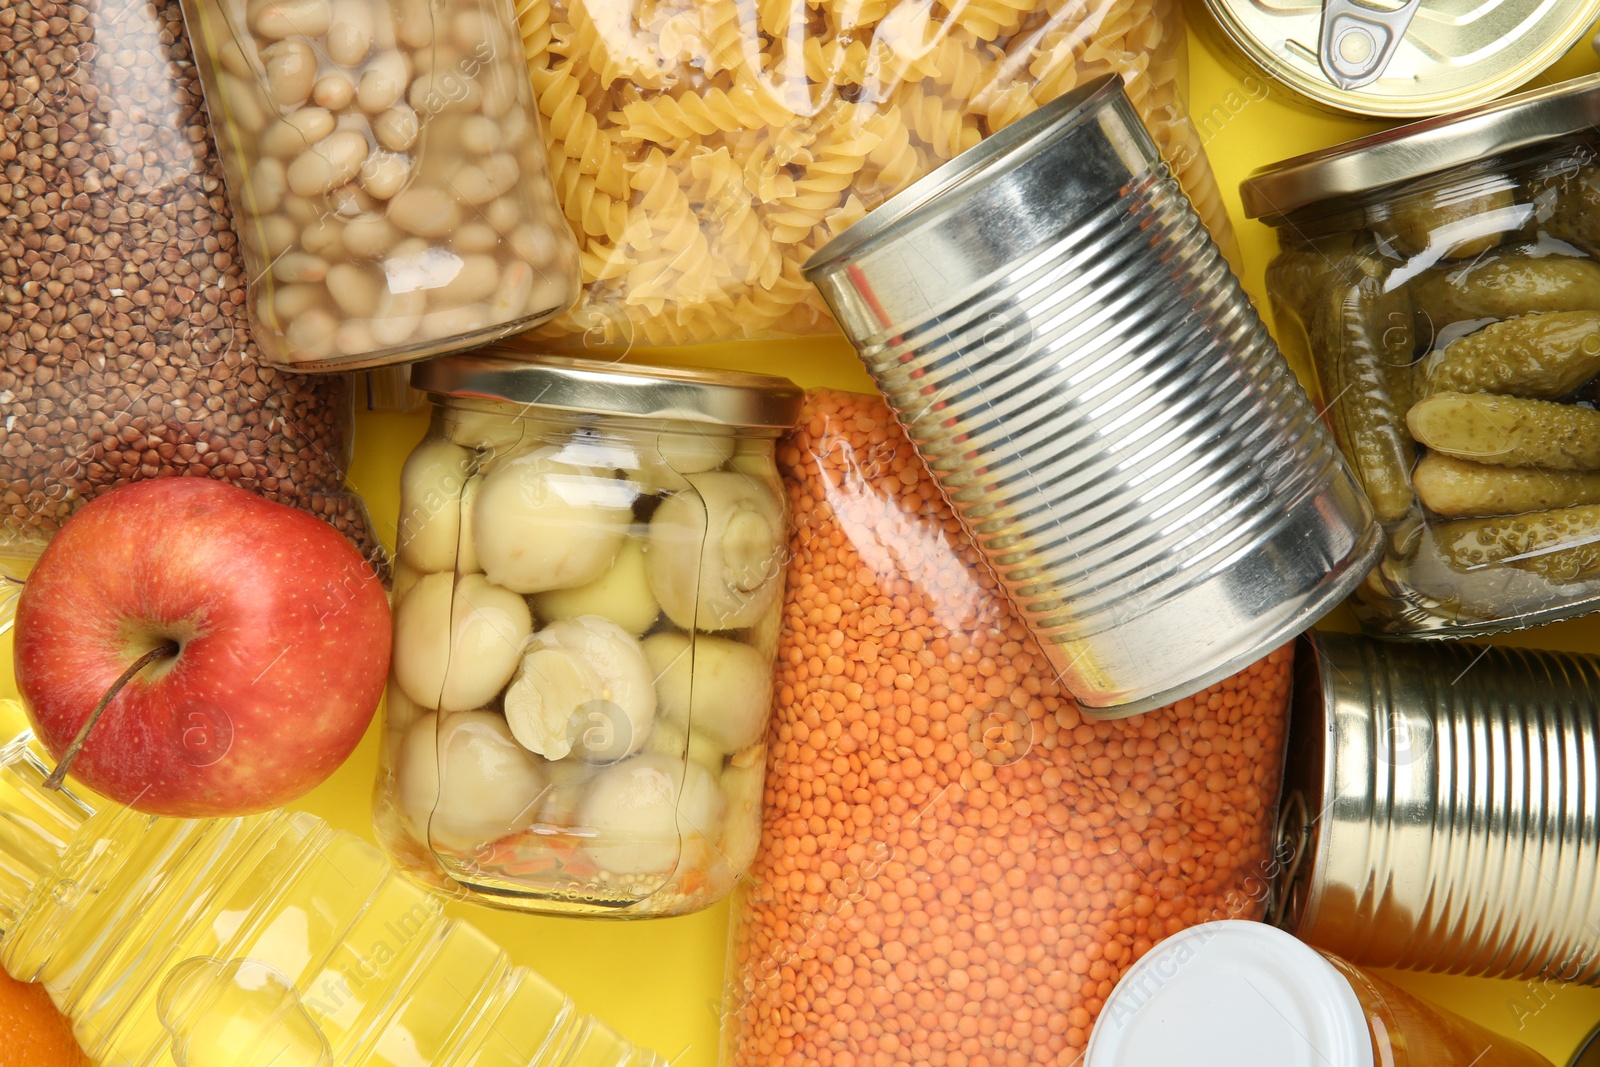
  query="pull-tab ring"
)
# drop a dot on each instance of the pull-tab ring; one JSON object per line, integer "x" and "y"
{"x": 1357, "y": 42}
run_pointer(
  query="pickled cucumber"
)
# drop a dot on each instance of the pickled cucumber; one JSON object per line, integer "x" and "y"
{"x": 1362, "y": 346}
{"x": 1561, "y": 546}
{"x": 1576, "y": 214}
{"x": 1542, "y": 356}
{"x": 1457, "y": 487}
{"x": 1503, "y": 286}
{"x": 1297, "y": 276}
{"x": 1471, "y": 222}
{"x": 1508, "y": 431}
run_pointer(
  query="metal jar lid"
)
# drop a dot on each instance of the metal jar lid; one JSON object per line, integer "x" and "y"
{"x": 1589, "y": 1054}
{"x": 729, "y": 398}
{"x": 1422, "y": 148}
{"x": 1404, "y": 60}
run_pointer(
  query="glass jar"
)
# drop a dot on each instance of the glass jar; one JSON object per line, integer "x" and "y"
{"x": 1442, "y": 280}
{"x": 588, "y": 587}
{"x": 387, "y": 176}
{"x": 1243, "y": 994}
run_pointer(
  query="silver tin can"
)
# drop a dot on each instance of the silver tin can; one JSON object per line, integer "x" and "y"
{"x": 1093, "y": 390}
{"x": 1440, "y": 808}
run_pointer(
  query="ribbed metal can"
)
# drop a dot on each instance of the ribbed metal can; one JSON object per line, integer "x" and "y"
{"x": 1442, "y": 808}
{"x": 1095, "y": 393}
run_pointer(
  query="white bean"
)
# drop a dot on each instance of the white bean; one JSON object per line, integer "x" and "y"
{"x": 370, "y": 237}
{"x": 354, "y": 289}
{"x": 286, "y": 18}
{"x": 505, "y": 214}
{"x": 382, "y": 175}
{"x": 476, "y": 237}
{"x": 351, "y": 201}
{"x": 416, "y": 24}
{"x": 350, "y": 32}
{"x": 299, "y": 267}
{"x": 475, "y": 30}
{"x": 551, "y": 290}
{"x": 397, "y": 316}
{"x": 396, "y": 128}
{"x": 425, "y": 211}
{"x": 303, "y": 212}
{"x": 454, "y": 322}
{"x": 333, "y": 91}
{"x": 473, "y": 282}
{"x": 311, "y": 334}
{"x": 328, "y": 164}
{"x": 532, "y": 157}
{"x": 268, "y": 182}
{"x": 242, "y": 101}
{"x": 353, "y": 339}
{"x": 296, "y": 132}
{"x": 278, "y": 235}
{"x": 234, "y": 61}
{"x": 501, "y": 90}
{"x": 324, "y": 238}
{"x": 289, "y": 302}
{"x": 291, "y": 70}
{"x": 481, "y": 183}
{"x": 536, "y": 244}
{"x": 479, "y": 134}
{"x": 510, "y": 300}
{"x": 514, "y": 126}
{"x": 382, "y": 83}
{"x": 444, "y": 89}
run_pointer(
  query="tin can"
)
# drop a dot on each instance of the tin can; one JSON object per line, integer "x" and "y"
{"x": 1409, "y": 60}
{"x": 1093, "y": 390}
{"x": 1439, "y": 808}
{"x": 1241, "y": 994}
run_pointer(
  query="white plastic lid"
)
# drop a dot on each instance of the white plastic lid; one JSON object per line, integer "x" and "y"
{"x": 1231, "y": 994}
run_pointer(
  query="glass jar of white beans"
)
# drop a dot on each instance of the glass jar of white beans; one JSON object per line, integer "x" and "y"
{"x": 587, "y": 598}
{"x": 389, "y": 183}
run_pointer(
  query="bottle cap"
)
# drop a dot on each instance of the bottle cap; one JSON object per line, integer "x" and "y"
{"x": 1232, "y": 994}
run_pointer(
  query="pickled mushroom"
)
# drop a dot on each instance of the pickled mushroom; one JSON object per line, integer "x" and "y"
{"x": 582, "y": 685}
{"x": 432, "y": 483}
{"x": 456, "y": 645}
{"x": 636, "y": 811}
{"x": 464, "y": 780}
{"x": 716, "y": 688}
{"x": 742, "y": 783}
{"x": 539, "y": 524}
{"x": 716, "y": 551}
{"x": 665, "y": 458}
{"x": 622, "y": 594}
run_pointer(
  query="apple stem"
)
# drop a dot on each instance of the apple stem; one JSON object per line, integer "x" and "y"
{"x": 161, "y": 651}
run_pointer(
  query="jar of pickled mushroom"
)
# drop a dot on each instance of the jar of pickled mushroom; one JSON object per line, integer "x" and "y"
{"x": 587, "y": 598}
{"x": 388, "y": 180}
{"x": 1442, "y": 279}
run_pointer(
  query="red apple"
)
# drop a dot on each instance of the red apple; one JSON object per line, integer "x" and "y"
{"x": 274, "y": 635}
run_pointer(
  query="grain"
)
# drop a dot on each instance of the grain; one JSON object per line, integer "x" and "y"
{"x": 127, "y": 353}
{"x": 956, "y": 865}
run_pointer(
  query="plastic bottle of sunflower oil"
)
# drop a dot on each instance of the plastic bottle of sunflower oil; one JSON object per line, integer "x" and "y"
{"x": 266, "y": 940}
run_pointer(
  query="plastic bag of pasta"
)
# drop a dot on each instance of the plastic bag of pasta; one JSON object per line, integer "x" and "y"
{"x": 704, "y": 149}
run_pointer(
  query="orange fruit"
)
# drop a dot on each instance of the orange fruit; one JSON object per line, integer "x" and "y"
{"x": 32, "y": 1032}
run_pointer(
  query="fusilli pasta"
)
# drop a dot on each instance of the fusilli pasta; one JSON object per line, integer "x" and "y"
{"x": 703, "y": 149}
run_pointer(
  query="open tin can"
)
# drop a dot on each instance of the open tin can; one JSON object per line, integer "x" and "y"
{"x": 1402, "y": 60}
{"x": 1082, "y": 373}
{"x": 1439, "y": 808}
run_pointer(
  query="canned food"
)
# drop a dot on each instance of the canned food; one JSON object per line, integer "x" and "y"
{"x": 588, "y": 586}
{"x": 388, "y": 180}
{"x": 1402, "y": 60}
{"x": 1241, "y": 994}
{"x": 1443, "y": 280}
{"x": 1439, "y": 808}
{"x": 1094, "y": 392}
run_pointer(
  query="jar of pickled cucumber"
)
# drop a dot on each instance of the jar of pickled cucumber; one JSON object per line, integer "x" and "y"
{"x": 587, "y": 598}
{"x": 1441, "y": 281}
{"x": 388, "y": 180}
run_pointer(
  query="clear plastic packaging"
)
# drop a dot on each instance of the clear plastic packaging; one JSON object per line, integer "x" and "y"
{"x": 588, "y": 578}
{"x": 703, "y": 150}
{"x": 267, "y": 941}
{"x": 1453, "y": 322}
{"x": 384, "y": 161}
{"x": 957, "y": 865}
{"x": 127, "y": 354}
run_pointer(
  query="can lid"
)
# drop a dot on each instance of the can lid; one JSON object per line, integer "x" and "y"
{"x": 1401, "y": 59}
{"x": 1231, "y": 994}
{"x": 730, "y": 398}
{"x": 1589, "y": 1054}
{"x": 942, "y": 191}
{"x": 1422, "y": 148}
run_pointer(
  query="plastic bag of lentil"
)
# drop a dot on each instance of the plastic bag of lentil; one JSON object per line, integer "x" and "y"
{"x": 127, "y": 354}
{"x": 956, "y": 866}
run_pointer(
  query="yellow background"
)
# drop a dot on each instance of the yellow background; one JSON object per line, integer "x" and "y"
{"x": 659, "y": 981}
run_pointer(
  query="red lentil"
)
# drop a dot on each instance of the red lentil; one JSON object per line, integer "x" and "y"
{"x": 957, "y": 865}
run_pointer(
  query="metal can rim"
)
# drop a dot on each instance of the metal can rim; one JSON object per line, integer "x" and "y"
{"x": 508, "y": 376}
{"x": 941, "y": 190}
{"x": 1357, "y": 102}
{"x": 1422, "y": 148}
